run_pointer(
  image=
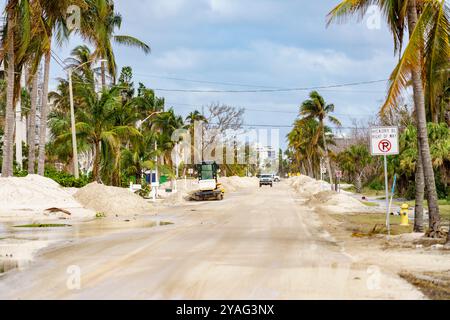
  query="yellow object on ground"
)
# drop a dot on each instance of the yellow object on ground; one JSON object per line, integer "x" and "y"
{"x": 404, "y": 220}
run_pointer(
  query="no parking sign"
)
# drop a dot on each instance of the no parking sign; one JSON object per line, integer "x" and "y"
{"x": 384, "y": 141}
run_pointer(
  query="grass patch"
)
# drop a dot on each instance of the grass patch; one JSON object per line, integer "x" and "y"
{"x": 366, "y": 191}
{"x": 165, "y": 223}
{"x": 369, "y": 224}
{"x": 43, "y": 225}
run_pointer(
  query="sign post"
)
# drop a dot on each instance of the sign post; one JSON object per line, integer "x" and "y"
{"x": 384, "y": 141}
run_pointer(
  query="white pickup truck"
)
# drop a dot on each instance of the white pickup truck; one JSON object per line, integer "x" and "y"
{"x": 266, "y": 180}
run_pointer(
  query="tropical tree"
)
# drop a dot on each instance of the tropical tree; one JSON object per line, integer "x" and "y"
{"x": 53, "y": 20}
{"x": 95, "y": 125}
{"x": 307, "y": 144}
{"x": 355, "y": 161}
{"x": 12, "y": 13}
{"x": 98, "y": 26}
{"x": 428, "y": 42}
{"x": 194, "y": 116}
{"x": 316, "y": 108}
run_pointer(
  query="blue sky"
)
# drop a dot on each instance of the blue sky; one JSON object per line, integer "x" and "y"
{"x": 258, "y": 42}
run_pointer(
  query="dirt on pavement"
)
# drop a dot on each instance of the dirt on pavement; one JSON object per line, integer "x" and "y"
{"x": 260, "y": 243}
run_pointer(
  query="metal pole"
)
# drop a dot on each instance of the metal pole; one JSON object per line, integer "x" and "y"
{"x": 388, "y": 226}
{"x": 72, "y": 123}
{"x": 156, "y": 169}
{"x": 19, "y": 124}
{"x": 176, "y": 166}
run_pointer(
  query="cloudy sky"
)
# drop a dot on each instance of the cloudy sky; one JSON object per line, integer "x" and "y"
{"x": 253, "y": 44}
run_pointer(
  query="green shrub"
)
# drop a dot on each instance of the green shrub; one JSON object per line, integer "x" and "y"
{"x": 65, "y": 179}
{"x": 376, "y": 185}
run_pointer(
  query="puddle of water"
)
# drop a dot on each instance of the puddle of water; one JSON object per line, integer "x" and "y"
{"x": 18, "y": 245}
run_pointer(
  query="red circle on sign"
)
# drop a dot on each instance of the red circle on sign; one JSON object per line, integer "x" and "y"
{"x": 385, "y": 146}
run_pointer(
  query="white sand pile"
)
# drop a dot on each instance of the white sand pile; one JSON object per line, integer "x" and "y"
{"x": 234, "y": 183}
{"x": 112, "y": 200}
{"x": 32, "y": 195}
{"x": 182, "y": 193}
{"x": 321, "y": 197}
{"x": 336, "y": 202}
{"x": 307, "y": 186}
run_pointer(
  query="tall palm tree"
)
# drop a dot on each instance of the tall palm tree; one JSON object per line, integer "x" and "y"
{"x": 99, "y": 25}
{"x": 316, "y": 108}
{"x": 308, "y": 145}
{"x": 32, "y": 124}
{"x": 53, "y": 20}
{"x": 423, "y": 44}
{"x": 194, "y": 116}
{"x": 7, "y": 164}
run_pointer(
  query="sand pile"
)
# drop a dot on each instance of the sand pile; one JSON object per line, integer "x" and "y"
{"x": 112, "y": 200}
{"x": 307, "y": 186}
{"x": 336, "y": 202}
{"x": 234, "y": 183}
{"x": 33, "y": 194}
{"x": 320, "y": 196}
{"x": 181, "y": 195}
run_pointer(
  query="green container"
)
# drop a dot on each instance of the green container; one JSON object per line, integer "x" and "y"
{"x": 162, "y": 179}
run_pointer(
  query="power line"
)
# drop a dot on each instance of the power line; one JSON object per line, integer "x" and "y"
{"x": 205, "y": 81}
{"x": 272, "y": 90}
{"x": 234, "y": 84}
{"x": 171, "y": 103}
{"x": 291, "y": 126}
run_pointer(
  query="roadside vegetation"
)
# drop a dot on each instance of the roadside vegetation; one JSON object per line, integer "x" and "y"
{"x": 424, "y": 160}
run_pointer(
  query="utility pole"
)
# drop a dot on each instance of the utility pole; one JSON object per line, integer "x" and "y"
{"x": 72, "y": 118}
{"x": 19, "y": 123}
{"x": 73, "y": 129}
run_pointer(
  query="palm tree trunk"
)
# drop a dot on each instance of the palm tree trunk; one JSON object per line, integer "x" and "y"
{"x": 327, "y": 159}
{"x": 32, "y": 126}
{"x": 424, "y": 148}
{"x": 96, "y": 165}
{"x": 310, "y": 169}
{"x": 44, "y": 114}
{"x": 8, "y": 144}
{"x": 103, "y": 74}
{"x": 420, "y": 189}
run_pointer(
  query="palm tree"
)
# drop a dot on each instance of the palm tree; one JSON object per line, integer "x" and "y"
{"x": 32, "y": 124}
{"x": 307, "y": 144}
{"x": 428, "y": 35}
{"x": 13, "y": 51}
{"x": 96, "y": 125}
{"x": 355, "y": 161}
{"x": 53, "y": 19}
{"x": 7, "y": 164}
{"x": 316, "y": 108}
{"x": 194, "y": 116}
{"x": 99, "y": 24}
{"x": 166, "y": 123}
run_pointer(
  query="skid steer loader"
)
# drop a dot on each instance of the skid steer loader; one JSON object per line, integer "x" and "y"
{"x": 209, "y": 187}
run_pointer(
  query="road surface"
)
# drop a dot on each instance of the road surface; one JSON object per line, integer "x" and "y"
{"x": 258, "y": 244}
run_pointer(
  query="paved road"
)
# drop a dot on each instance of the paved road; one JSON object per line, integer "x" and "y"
{"x": 259, "y": 244}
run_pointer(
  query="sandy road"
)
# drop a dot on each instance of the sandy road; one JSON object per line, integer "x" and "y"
{"x": 259, "y": 244}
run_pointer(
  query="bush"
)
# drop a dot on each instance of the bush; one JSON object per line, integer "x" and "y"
{"x": 65, "y": 179}
{"x": 376, "y": 185}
